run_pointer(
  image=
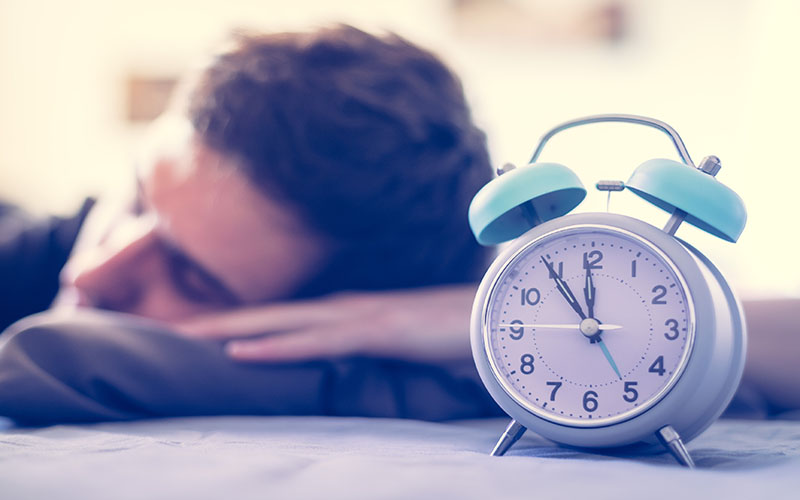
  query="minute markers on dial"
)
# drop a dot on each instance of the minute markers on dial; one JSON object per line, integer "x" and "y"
{"x": 524, "y": 316}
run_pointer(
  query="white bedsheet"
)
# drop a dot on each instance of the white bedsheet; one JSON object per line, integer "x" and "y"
{"x": 320, "y": 457}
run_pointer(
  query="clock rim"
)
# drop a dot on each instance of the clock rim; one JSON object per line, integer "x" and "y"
{"x": 513, "y": 253}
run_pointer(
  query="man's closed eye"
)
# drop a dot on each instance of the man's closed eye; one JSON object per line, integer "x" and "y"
{"x": 195, "y": 283}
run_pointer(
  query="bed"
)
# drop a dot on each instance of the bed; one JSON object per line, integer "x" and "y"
{"x": 391, "y": 430}
{"x": 336, "y": 457}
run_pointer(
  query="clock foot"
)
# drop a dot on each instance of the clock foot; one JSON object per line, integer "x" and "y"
{"x": 671, "y": 440}
{"x": 513, "y": 432}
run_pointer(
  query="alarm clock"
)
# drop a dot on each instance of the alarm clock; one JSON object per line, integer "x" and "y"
{"x": 600, "y": 330}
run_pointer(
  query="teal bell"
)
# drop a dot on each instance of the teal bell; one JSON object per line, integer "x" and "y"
{"x": 692, "y": 195}
{"x": 521, "y": 198}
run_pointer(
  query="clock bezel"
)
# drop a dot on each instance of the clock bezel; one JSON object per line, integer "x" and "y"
{"x": 518, "y": 253}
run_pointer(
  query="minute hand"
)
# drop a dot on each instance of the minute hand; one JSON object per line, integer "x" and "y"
{"x": 564, "y": 289}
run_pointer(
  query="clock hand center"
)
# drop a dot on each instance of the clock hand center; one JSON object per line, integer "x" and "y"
{"x": 590, "y": 328}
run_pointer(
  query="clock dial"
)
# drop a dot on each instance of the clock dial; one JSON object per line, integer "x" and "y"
{"x": 588, "y": 325}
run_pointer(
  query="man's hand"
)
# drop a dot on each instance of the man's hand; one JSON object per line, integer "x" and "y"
{"x": 424, "y": 324}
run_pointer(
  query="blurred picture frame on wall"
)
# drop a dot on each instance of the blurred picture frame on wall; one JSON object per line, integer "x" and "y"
{"x": 542, "y": 22}
{"x": 147, "y": 96}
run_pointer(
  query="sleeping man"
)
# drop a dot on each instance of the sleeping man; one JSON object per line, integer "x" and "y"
{"x": 295, "y": 180}
{"x": 297, "y": 244}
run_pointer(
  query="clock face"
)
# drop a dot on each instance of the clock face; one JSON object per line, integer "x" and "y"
{"x": 588, "y": 325}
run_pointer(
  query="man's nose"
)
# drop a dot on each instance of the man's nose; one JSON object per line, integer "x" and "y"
{"x": 113, "y": 274}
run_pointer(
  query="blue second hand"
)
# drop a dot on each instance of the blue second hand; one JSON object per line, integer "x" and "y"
{"x": 608, "y": 357}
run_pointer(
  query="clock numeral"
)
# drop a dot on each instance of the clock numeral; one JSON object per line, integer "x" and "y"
{"x": 591, "y": 259}
{"x": 526, "y": 365}
{"x": 672, "y": 324}
{"x": 516, "y": 331}
{"x": 590, "y": 401}
{"x": 658, "y": 366}
{"x": 631, "y": 394}
{"x": 633, "y": 268}
{"x": 560, "y": 272}
{"x": 556, "y": 387}
{"x": 530, "y": 296}
{"x": 661, "y": 292}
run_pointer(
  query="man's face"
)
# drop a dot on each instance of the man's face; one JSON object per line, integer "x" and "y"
{"x": 199, "y": 238}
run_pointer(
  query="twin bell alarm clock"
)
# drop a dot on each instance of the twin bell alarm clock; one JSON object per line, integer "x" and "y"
{"x": 599, "y": 330}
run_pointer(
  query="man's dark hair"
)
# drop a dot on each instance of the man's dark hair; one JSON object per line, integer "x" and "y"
{"x": 369, "y": 138}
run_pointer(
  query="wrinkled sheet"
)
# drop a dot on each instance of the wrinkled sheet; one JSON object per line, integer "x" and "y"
{"x": 334, "y": 457}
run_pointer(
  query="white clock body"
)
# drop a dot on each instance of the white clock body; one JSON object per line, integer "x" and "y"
{"x": 670, "y": 347}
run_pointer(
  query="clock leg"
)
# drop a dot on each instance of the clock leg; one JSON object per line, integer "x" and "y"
{"x": 513, "y": 432}
{"x": 671, "y": 440}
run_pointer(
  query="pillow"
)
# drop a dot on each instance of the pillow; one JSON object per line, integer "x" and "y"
{"x": 92, "y": 366}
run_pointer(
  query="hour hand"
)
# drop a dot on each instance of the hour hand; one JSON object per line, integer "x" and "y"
{"x": 589, "y": 292}
{"x": 564, "y": 289}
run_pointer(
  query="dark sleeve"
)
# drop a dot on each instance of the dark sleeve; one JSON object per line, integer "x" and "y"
{"x": 32, "y": 253}
{"x": 104, "y": 366}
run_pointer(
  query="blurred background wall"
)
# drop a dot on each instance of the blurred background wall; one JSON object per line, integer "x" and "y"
{"x": 79, "y": 80}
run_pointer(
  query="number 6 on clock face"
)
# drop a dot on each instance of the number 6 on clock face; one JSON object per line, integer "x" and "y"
{"x": 588, "y": 325}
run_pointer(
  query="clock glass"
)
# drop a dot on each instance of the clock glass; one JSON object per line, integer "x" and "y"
{"x": 588, "y": 325}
